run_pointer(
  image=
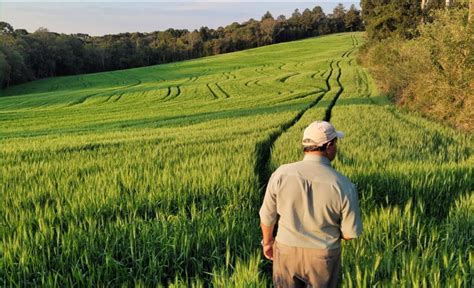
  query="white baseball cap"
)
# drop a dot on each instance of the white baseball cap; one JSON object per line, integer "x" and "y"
{"x": 319, "y": 133}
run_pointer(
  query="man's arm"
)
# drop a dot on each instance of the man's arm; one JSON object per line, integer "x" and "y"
{"x": 351, "y": 222}
{"x": 268, "y": 217}
{"x": 267, "y": 242}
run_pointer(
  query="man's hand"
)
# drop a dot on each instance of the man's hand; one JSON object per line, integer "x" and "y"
{"x": 267, "y": 241}
{"x": 346, "y": 238}
{"x": 268, "y": 250}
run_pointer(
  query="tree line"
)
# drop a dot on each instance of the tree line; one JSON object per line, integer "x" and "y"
{"x": 28, "y": 56}
{"x": 420, "y": 53}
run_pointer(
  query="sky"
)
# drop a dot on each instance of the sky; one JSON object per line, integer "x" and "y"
{"x": 118, "y": 16}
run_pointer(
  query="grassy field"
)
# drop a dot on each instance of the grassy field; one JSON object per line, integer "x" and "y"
{"x": 154, "y": 176}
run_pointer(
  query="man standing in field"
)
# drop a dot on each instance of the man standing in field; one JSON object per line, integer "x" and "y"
{"x": 317, "y": 207}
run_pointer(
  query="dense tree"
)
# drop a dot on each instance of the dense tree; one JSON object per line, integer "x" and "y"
{"x": 339, "y": 11}
{"x": 384, "y": 18}
{"x": 6, "y": 28}
{"x": 14, "y": 70}
{"x": 267, "y": 15}
{"x": 20, "y": 32}
{"x": 5, "y": 68}
{"x": 337, "y": 18}
{"x": 267, "y": 27}
{"x": 352, "y": 20}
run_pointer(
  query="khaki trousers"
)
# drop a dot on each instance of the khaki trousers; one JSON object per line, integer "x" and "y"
{"x": 305, "y": 267}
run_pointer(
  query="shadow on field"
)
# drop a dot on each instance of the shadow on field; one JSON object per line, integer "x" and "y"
{"x": 434, "y": 189}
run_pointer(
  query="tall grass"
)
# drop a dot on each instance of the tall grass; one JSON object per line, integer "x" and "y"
{"x": 154, "y": 176}
{"x": 413, "y": 176}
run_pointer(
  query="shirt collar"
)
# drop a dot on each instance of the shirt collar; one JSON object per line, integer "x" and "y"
{"x": 317, "y": 158}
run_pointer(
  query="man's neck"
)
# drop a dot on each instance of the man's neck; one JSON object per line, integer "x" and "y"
{"x": 321, "y": 154}
{"x": 317, "y": 153}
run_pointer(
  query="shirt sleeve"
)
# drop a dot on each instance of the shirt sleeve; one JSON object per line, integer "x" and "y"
{"x": 268, "y": 211}
{"x": 351, "y": 222}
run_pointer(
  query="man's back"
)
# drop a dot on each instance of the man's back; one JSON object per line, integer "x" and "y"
{"x": 317, "y": 207}
{"x": 314, "y": 204}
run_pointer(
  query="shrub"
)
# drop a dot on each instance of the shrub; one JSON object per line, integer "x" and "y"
{"x": 432, "y": 73}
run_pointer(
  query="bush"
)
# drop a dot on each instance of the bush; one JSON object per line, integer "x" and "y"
{"x": 432, "y": 73}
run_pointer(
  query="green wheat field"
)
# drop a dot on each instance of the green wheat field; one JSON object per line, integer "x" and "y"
{"x": 154, "y": 176}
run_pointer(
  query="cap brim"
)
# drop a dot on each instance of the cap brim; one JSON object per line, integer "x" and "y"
{"x": 340, "y": 134}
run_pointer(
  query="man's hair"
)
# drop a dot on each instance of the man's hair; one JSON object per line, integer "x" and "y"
{"x": 318, "y": 148}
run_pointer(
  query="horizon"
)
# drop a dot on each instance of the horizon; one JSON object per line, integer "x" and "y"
{"x": 114, "y": 17}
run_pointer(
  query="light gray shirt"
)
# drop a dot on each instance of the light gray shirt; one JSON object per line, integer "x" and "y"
{"x": 316, "y": 204}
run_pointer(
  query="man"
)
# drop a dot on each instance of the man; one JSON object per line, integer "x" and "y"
{"x": 317, "y": 207}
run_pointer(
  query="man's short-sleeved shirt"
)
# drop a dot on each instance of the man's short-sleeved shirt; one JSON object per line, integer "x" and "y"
{"x": 316, "y": 204}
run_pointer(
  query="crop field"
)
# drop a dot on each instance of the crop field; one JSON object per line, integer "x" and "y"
{"x": 154, "y": 176}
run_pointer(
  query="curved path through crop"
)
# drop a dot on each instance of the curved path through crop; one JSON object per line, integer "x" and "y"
{"x": 264, "y": 147}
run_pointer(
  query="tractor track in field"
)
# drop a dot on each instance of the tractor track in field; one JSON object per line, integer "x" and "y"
{"x": 254, "y": 82}
{"x": 355, "y": 43}
{"x": 280, "y": 67}
{"x": 212, "y": 91}
{"x": 108, "y": 98}
{"x": 168, "y": 93}
{"x": 328, "y": 85}
{"x": 178, "y": 92}
{"x": 119, "y": 96}
{"x": 327, "y": 116}
{"x": 196, "y": 77}
{"x": 172, "y": 92}
{"x": 313, "y": 76}
{"x": 248, "y": 83}
{"x": 350, "y": 52}
{"x": 264, "y": 147}
{"x": 83, "y": 99}
{"x": 222, "y": 90}
{"x": 261, "y": 68}
{"x": 218, "y": 92}
{"x": 301, "y": 95}
{"x": 347, "y": 53}
{"x": 230, "y": 76}
{"x": 299, "y": 64}
{"x": 286, "y": 77}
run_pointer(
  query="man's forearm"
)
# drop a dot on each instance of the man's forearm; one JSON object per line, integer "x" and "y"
{"x": 267, "y": 233}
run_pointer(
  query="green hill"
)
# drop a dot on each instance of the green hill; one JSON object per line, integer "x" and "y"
{"x": 154, "y": 176}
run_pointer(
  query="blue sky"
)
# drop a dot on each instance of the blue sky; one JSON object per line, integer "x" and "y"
{"x": 111, "y": 17}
